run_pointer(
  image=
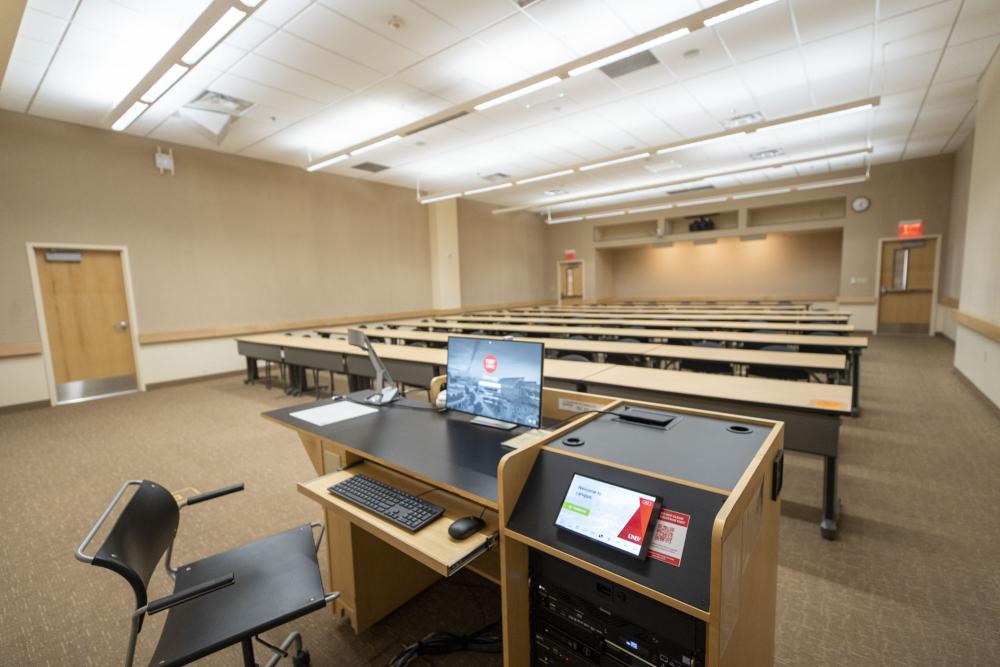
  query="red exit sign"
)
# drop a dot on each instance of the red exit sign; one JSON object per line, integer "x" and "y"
{"x": 909, "y": 229}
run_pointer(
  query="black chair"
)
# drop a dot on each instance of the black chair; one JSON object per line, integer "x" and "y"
{"x": 226, "y": 599}
{"x": 779, "y": 372}
{"x": 575, "y": 357}
{"x": 704, "y": 366}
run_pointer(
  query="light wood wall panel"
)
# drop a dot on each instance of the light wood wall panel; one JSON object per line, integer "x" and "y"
{"x": 228, "y": 241}
{"x": 502, "y": 257}
{"x": 781, "y": 265}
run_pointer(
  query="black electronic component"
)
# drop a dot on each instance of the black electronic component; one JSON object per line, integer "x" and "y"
{"x": 400, "y": 507}
{"x": 579, "y": 618}
{"x": 464, "y": 527}
{"x": 647, "y": 417}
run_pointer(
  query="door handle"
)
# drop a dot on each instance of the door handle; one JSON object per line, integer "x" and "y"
{"x": 123, "y": 325}
{"x": 883, "y": 289}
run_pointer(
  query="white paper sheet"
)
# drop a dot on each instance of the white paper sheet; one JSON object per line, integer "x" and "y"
{"x": 333, "y": 412}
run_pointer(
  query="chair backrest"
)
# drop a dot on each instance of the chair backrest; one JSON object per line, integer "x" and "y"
{"x": 142, "y": 534}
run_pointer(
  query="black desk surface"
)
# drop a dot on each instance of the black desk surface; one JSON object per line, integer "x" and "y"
{"x": 439, "y": 447}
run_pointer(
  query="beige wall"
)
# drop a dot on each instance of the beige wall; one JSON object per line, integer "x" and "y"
{"x": 227, "y": 241}
{"x": 954, "y": 240}
{"x": 778, "y": 265}
{"x": 598, "y": 281}
{"x": 503, "y": 257}
{"x": 446, "y": 275}
{"x": 899, "y": 191}
{"x": 977, "y": 356}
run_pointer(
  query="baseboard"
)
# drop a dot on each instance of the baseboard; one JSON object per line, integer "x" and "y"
{"x": 978, "y": 392}
{"x": 191, "y": 380}
{"x": 19, "y": 407}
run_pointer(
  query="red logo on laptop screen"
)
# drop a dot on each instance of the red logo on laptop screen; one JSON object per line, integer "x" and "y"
{"x": 489, "y": 363}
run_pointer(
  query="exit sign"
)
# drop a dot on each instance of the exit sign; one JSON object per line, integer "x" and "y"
{"x": 909, "y": 229}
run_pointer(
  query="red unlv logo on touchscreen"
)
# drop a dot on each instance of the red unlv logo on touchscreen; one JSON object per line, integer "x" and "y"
{"x": 490, "y": 363}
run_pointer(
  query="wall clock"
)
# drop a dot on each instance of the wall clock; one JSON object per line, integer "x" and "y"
{"x": 861, "y": 204}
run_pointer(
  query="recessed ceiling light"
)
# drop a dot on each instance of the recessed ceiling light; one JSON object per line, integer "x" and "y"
{"x": 751, "y": 118}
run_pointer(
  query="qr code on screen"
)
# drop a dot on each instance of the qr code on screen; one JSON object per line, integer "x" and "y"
{"x": 664, "y": 533}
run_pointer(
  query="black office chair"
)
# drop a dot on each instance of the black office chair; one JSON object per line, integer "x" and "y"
{"x": 575, "y": 357}
{"x": 225, "y": 599}
{"x": 703, "y": 366}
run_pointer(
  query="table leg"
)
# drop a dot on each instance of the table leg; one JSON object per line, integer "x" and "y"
{"x": 252, "y": 376}
{"x": 831, "y": 501}
{"x": 856, "y": 382}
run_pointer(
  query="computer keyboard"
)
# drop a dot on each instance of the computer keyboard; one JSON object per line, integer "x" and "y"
{"x": 400, "y": 507}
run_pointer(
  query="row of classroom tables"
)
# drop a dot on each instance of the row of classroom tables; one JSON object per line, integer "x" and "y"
{"x": 646, "y": 352}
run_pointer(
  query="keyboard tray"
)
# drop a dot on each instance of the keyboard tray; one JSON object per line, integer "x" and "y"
{"x": 430, "y": 545}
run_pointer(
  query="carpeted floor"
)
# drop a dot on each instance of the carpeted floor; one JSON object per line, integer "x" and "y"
{"x": 912, "y": 580}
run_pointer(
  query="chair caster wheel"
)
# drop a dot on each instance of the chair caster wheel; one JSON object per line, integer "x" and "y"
{"x": 301, "y": 659}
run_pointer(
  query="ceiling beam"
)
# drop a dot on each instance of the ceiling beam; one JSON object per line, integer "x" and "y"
{"x": 11, "y": 12}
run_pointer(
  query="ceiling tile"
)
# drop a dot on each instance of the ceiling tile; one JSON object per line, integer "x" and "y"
{"x": 419, "y": 30}
{"x": 304, "y": 56}
{"x": 909, "y": 73}
{"x": 282, "y": 77}
{"x": 979, "y": 18}
{"x": 847, "y": 52}
{"x": 236, "y": 86}
{"x": 250, "y": 34}
{"x": 643, "y": 15}
{"x": 889, "y": 8}
{"x": 573, "y": 21}
{"x": 333, "y": 32}
{"x": 41, "y": 26}
{"x": 818, "y": 20}
{"x": 722, "y": 93}
{"x": 519, "y": 40}
{"x": 742, "y": 35}
{"x": 60, "y": 8}
{"x": 705, "y": 54}
{"x": 278, "y": 14}
{"x": 469, "y": 17}
{"x": 969, "y": 59}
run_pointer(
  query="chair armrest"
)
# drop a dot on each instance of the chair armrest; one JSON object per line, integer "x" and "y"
{"x": 211, "y": 495}
{"x": 188, "y": 594}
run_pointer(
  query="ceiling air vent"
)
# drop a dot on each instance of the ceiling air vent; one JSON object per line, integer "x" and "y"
{"x": 628, "y": 65}
{"x": 373, "y": 167}
{"x": 767, "y": 153}
{"x": 209, "y": 100}
{"x": 742, "y": 120}
{"x": 496, "y": 176}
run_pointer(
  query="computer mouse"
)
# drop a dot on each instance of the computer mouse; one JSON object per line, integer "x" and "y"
{"x": 467, "y": 525}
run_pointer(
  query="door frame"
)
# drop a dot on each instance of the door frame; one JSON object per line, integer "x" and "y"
{"x": 43, "y": 330}
{"x": 932, "y": 328}
{"x": 559, "y": 268}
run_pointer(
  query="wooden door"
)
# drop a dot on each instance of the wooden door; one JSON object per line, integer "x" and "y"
{"x": 906, "y": 286}
{"x": 87, "y": 322}
{"x": 570, "y": 282}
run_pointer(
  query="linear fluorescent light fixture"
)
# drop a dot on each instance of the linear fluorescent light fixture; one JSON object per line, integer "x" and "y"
{"x": 572, "y": 218}
{"x": 606, "y": 214}
{"x": 608, "y": 163}
{"x": 129, "y": 116}
{"x": 698, "y": 202}
{"x": 378, "y": 144}
{"x": 646, "y": 209}
{"x": 621, "y": 55}
{"x": 739, "y": 11}
{"x": 326, "y": 163}
{"x": 514, "y": 94}
{"x": 832, "y": 184}
{"x": 840, "y": 112}
{"x": 488, "y": 188}
{"x": 431, "y": 200}
{"x": 164, "y": 83}
{"x": 761, "y": 193}
{"x": 543, "y": 177}
{"x": 213, "y": 36}
{"x": 699, "y": 142}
